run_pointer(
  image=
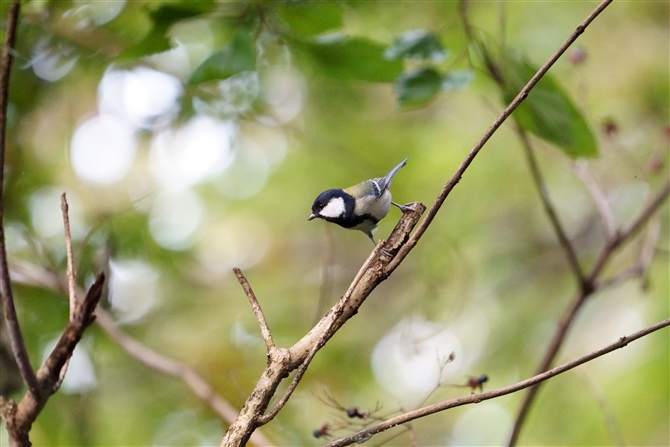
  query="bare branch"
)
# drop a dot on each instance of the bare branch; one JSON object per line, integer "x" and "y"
{"x": 26, "y": 411}
{"x": 587, "y": 290}
{"x": 71, "y": 274}
{"x": 13, "y": 327}
{"x": 256, "y": 307}
{"x": 548, "y": 205}
{"x": 283, "y": 361}
{"x": 146, "y": 356}
{"x": 84, "y": 315}
{"x": 376, "y": 269}
{"x": 476, "y": 398}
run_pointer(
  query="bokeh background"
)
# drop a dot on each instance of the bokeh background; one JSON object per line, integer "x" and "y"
{"x": 177, "y": 170}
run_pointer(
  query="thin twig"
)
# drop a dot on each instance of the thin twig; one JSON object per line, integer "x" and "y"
{"x": 71, "y": 274}
{"x": 581, "y": 297}
{"x": 476, "y": 398}
{"x": 523, "y": 94}
{"x": 256, "y": 307}
{"x": 548, "y": 205}
{"x": 581, "y": 168}
{"x": 13, "y": 326}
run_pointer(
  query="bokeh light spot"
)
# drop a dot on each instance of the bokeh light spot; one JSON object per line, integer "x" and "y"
{"x": 406, "y": 362}
{"x": 192, "y": 153}
{"x": 145, "y": 98}
{"x": 174, "y": 218}
{"x": 133, "y": 289}
{"x": 103, "y": 150}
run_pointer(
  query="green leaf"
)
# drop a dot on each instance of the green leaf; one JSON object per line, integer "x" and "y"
{"x": 311, "y": 19}
{"x": 548, "y": 112}
{"x": 416, "y": 44}
{"x": 417, "y": 87}
{"x": 157, "y": 40}
{"x": 351, "y": 58}
{"x": 238, "y": 56}
{"x": 457, "y": 80}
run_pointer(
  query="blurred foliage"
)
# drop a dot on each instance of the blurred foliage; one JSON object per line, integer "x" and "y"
{"x": 216, "y": 124}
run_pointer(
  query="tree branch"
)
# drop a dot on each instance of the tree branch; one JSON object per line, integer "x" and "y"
{"x": 71, "y": 277}
{"x": 376, "y": 269}
{"x": 13, "y": 327}
{"x": 256, "y": 307}
{"x": 283, "y": 361}
{"x": 574, "y": 307}
{"x": 71, "y": 274}
{"x": 143, "y": 354}
{"x": 23, "y": 414}
{"x": 366, "y": 433}
{"x": 549, "y": 207}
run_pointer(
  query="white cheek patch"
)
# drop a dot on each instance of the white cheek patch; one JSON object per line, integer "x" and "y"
{"x": 335, "y": 208}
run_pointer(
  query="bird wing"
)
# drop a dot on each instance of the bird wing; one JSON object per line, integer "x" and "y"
{"x": 366, "y": 188}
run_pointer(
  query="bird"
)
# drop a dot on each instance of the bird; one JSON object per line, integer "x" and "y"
{"x": 359, "y": 207}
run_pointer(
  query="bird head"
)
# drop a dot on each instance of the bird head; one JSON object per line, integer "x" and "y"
{"x": 330, "y": 205}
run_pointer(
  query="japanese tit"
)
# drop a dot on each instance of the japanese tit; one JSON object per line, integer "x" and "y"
{"x": 359, "y": 207}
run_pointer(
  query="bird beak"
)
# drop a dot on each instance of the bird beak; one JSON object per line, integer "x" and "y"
{"x": 312, "y": 216}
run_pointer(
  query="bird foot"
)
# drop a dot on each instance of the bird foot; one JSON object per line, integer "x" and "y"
{"x": 403, "y": 208}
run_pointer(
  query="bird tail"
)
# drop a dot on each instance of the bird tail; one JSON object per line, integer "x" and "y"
{"x": 385, "y": 182}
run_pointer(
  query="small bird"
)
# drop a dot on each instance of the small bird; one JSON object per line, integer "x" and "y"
{"x": 358, "y": 207}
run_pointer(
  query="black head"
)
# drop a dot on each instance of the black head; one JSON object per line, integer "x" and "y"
{"x": 333, "y": 205}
